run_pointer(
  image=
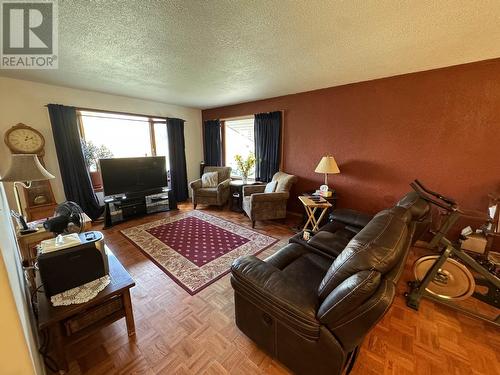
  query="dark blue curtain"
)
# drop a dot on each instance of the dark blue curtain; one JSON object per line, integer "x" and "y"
{"x": 177, "y": 158}
{"x": 212, "y": 143}
{"x": 267, "y": 129}
{"x": 74, "y": 174}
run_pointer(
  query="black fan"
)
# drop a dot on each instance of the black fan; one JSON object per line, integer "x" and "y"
{"x": 68, "y": 218}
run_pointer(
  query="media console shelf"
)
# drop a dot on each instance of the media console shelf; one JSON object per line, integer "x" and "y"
{"x": 122, "y": 208}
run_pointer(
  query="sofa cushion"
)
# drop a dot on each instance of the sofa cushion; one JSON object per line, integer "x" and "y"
{"x": 307, "y": 271}
{"x": 209, "y": 179}
{"x": 349, "y": 295}
{"x": 350, "y": 217}
{"x": 207, "y": 192}
{"x": 300, "y": 264}
{"x": 247, "y": 204}
{"x": 284, "y": 180}
{"x": 271, "y": 187}
{"x": 331, "y": 243}
{"x": 223, "y": 172}
{"x": 378, "y": 246}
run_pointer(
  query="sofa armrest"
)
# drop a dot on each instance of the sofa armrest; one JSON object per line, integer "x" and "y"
{"x": 223, "y": 185}
{"x": 270, "y": 284}
{"x": 269, "y": 197}
{"x": 196, "y": 184}
{"x": 351, "y": 217}
{"x": 252, "y": 189}
{"x": 349, "y": 295}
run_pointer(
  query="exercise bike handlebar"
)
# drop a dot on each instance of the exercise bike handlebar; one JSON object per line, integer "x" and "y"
{"x": 429, "y": 195}
{"x": 446, "y": 203}
{"x": 448, "y": 200}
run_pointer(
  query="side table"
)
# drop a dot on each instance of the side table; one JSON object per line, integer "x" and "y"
{"x": 236, "y": 194}
{"x": 332, "y": 200}
{"x": 65, "y": 324}
{"x": 311, "y": 207}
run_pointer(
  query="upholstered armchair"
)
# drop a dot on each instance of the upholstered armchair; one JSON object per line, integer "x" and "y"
{"x": 213, "y": 196}
{"x": 259, "y": 205}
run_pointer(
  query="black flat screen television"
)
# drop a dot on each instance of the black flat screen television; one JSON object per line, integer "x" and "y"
{"x": 133, "y": 175}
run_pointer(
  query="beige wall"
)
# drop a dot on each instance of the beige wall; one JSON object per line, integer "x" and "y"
{"x": 14, "y": 354}
{"x": 18, "y": 350}
{"x": 24, "y": 101}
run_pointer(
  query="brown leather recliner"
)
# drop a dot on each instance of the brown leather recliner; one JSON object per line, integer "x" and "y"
{"x": 310, "y": 308}
{"x": 344, "y": 224}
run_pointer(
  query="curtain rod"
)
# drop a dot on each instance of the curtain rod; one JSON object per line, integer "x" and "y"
{"x": 115, "y": 112}
{"x": 247, "y": 116}
{"x": 146, "y": 120}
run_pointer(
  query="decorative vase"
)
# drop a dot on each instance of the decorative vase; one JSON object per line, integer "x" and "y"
{"x": 244, "y": 179}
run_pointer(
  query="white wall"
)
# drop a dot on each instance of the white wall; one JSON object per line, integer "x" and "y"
{"x": 18, "y": 348}
{"x": 24, "y": 101}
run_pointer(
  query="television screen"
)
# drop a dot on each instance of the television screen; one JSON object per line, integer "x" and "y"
{"x": 133, "y": 175}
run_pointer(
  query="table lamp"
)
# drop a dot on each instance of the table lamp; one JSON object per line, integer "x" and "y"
{"x": 327, "y": 165}
{"x": 23, "y": 170}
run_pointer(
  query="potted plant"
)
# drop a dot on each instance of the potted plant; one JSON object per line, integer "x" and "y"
{"x": 244, "y": 166}
{"x": 92, "y": 154}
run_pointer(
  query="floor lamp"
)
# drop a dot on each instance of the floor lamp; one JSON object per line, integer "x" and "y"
{"x": 23, "y": 170}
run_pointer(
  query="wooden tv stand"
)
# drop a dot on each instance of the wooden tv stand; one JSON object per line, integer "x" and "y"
{"x": 122, "y": 208}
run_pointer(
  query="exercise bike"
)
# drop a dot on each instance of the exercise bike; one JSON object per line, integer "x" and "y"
{"x": 447, "y": 278}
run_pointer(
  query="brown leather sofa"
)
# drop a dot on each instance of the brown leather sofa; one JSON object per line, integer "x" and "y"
{"x": 345, "y": 224}
{"x": 310, "y": 307}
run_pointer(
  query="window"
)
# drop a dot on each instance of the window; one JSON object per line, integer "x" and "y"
{"x": 125, "y": 135}
{"x": 238, "y": 140}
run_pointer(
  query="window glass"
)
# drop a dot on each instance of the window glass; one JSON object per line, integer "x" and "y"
{"x": 161, "y": 141}
{"x": 123, "y": 136}
{"x": 239, "y": 140}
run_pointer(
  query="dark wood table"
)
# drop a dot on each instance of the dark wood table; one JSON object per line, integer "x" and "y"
{"x": 236, "y": 193}
{"x": 65, "y": 324}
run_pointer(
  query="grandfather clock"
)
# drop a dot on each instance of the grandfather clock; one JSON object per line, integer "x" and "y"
{"x": 39, "y": 198}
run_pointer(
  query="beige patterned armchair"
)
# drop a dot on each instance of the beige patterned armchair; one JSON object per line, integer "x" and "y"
{"x": 267, "y": 206}
{"x": 213, "y": 196}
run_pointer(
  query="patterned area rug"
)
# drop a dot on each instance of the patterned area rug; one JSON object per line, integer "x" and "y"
{"x": 194, "y": 248}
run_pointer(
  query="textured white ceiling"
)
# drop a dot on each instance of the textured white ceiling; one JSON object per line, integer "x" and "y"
{"x": 211, "y": 53}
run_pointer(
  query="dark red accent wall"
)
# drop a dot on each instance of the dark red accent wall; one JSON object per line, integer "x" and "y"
{"x": 441, "y": 126}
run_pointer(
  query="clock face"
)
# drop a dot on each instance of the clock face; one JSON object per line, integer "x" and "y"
{"x": 25, "y": 140}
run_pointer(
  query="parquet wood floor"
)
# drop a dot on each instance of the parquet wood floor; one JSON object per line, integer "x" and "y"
{"x": 180, "y": 334}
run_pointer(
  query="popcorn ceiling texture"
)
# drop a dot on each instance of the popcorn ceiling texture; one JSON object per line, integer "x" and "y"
{"x": 211, "y": 53}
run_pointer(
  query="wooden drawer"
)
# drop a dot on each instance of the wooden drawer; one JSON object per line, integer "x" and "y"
{"x": 93, "y": 316}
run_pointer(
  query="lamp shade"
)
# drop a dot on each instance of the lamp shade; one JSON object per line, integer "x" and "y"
{"x": 327, "y": 164}
{"x": 26, "y": 167}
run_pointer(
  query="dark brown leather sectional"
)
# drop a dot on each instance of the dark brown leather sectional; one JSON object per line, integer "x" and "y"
{"x": 311, "y": 303}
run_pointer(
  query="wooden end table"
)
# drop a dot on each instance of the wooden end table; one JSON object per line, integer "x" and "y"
{"x": 236, "y": 194}
{"x": 311, "y": 207}
{"x": 65, "y": 324}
